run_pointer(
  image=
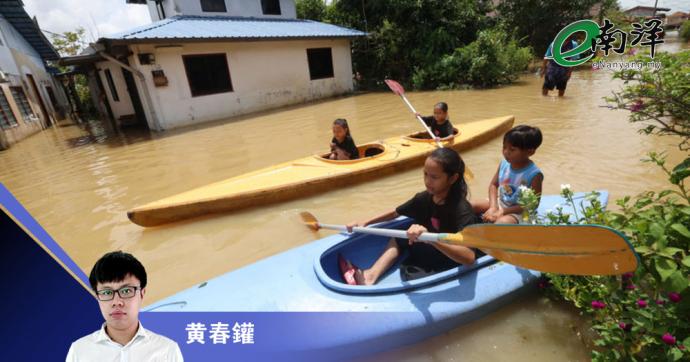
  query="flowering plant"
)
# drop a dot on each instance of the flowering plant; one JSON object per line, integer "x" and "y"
{"x": 643, "y": 314}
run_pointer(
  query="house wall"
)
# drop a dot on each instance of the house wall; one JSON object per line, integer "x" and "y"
{"x": 264, "y": 75}
{"x": 123, "y": 106}
{"x": 17, "y": 59}
{"x": 248, "y": 8}
{"x": 6, "y": 61}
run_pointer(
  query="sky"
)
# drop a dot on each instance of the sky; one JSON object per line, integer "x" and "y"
{"x": 103, "y": 17}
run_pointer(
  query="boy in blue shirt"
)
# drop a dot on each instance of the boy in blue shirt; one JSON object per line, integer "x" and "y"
{"x": 516, "y": 170}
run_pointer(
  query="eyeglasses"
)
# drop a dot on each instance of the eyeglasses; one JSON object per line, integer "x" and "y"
{"x": 124, "y": 293}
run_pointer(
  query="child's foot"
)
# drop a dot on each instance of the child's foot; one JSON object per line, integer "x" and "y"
{"x": 348, "y": 271}
{"x": 364, "y": 277}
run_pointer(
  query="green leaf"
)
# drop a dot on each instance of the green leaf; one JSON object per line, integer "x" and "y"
{"x": 686, "y": 261}
{"x": 681, "y": 229}
{"x": 686, "y": 343}
{"x": 664, "y": 193}
{"x": 670, "y": 251}
{"x": 657, "y": 231}
{"x": 677, "y": 282}
{"x": 645, "y": 314}
{"x": 642, "y": 249}
{"x": 685, "y": 165}
{"x": 676, "y": 354}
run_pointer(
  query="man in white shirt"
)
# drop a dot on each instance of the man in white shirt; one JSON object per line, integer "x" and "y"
{"x": 119, "y": 281}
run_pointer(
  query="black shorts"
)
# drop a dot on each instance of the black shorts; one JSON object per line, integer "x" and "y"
{"x": 555, "y": 82}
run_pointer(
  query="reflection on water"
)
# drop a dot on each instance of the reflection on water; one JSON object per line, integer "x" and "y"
{"x": 79, "y": 182}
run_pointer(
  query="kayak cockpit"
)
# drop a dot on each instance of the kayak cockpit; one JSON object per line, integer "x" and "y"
{"x": 363, "y": 250}
{"x": 367, "y": 151}
{"x": 423, "y": 136}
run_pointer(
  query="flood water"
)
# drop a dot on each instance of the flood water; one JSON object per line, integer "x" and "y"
{"x": 78, "y": 182}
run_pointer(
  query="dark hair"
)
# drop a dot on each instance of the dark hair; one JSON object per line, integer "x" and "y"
{"x": 114, "y": 267}
{"x": 452, "y": 164}
{"x": 442, "y": 106}
{"x": 342, "y": 122}
{"x": 524, "y": 137}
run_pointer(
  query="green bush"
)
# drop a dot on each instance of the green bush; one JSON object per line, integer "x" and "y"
{"x": 490, "y": 60}
{"x": 643, "y": 315}
{"x": 684, "y": 31}
{"x": 659, "y": 99}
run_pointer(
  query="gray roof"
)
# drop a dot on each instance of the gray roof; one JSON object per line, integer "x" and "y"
{"x": 214, "y": 28}
{"x": 13, "y": 11}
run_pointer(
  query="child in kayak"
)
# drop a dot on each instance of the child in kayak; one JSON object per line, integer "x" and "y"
{"x": 342, "y": 145}
{"x": 442, "y": 207}
{"x": 516, "y": 170}
{"x": 439, "y": 123}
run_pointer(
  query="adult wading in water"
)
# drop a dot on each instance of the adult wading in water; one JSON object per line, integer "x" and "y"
{"x": 556, "y": 76}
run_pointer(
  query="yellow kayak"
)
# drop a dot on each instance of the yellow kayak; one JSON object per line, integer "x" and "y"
{"x": 310, "y": 175}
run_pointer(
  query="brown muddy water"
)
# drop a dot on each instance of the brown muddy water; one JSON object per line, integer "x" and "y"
{"x": 78, "y": 182}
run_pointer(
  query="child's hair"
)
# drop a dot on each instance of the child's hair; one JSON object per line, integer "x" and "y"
{"x": 442, "y": 106}
{"x": 524, "y": 137}
{"x": 114, "y": 267}
{"x": 342, "y": 122}
{"x": 452, "y": 164}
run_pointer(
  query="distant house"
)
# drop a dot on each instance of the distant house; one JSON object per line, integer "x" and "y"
{"x": 645, "y": 11}
{"x": 677, "y": 19}
{"x": 203, "y": 60}
{"x": 30, "y": 99}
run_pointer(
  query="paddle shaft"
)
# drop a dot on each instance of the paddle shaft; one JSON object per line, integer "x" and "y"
{"x": 482, "y": 242}
{"x": 564, "y": 249}
{"x": 432, "y": 237}
{"x": 428, "y": 130}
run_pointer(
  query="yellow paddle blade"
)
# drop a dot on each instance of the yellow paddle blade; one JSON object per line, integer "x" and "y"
{"x": 310, "y": 220}
{"x": 613, "y": 263}
{"x": 563, "y": 249}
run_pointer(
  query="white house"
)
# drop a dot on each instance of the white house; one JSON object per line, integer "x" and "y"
{"x": 203, "y": 60}
{"x": 30, "y": 100}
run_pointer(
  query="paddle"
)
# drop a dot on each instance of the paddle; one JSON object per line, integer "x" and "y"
{"x": 561, "y": 249}
{"x": 398, "y": 89}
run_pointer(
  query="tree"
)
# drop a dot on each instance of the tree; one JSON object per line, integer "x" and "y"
{"x": 538, "y": 21}
{"x": 70, "y": 42}
{"x": 310, "y": 9}
{"x": 404, "y": 34}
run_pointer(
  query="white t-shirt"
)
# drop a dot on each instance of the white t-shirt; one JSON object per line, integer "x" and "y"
{"x": 145, "y": 346}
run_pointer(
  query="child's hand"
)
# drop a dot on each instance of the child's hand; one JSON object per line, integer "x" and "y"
{"x": 417, "y": 114}
{"x": 492, "y": 214}
{"x": 414, "y": 232}
{"x": 354, "y": 224}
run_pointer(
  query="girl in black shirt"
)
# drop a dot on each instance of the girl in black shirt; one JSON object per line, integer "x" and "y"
{"x": 342, "y": 145}
{"x": 443, "y": 208}
{"x": 438, "y": 123}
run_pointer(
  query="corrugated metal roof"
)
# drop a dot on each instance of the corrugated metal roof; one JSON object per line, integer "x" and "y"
{"x": 199, "y": 28}
{"x": 13, "y": 11}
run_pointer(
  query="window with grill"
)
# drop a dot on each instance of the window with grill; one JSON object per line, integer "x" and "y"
{"x": 22, "y": 102}
{"x": 7, "y": 118}
{"x": 207, "y": 74}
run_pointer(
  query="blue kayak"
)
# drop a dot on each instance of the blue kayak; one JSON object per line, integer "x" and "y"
{"x": 308, "y": 279}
